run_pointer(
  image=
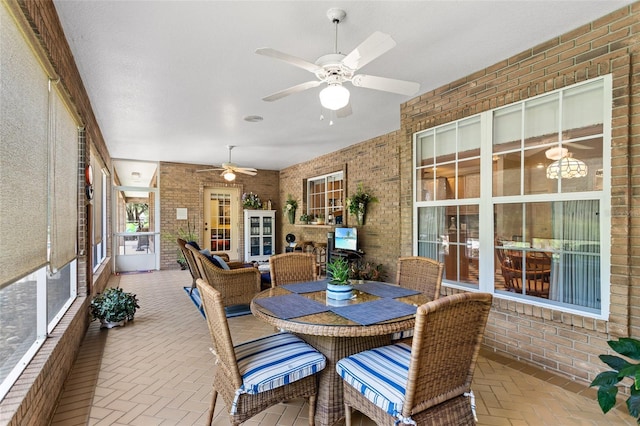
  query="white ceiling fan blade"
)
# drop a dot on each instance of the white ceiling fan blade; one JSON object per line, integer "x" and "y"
{"x": 208, "y": 170}
{"x": 386, "y": 84}
{"x": 375, "y": 45}
{"x": 246, "y": 171}
{"x": 345, "y": 111}
{"x": 290, "y": 59}
{"x": 291, "y": 90}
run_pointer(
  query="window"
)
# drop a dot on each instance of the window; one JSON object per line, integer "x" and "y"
{"x": 38, "y": 195}
{"x": 511, "y": 200}
{"x": 99, "y": 213}
{"x": 325, "y": 197}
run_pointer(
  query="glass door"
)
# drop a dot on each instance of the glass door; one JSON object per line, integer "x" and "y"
{"x": 222, "y": 221}
{"x": 136, "y": 226}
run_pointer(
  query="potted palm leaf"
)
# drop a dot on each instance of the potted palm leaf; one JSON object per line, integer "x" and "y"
{"x": 339, "y": 287}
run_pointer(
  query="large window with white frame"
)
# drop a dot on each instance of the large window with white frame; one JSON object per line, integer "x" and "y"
{"x": 325, "y": 197}
{"x": 514, "y": 201}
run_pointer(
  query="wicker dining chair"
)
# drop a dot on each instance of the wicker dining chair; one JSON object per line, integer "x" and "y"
{"x": 421, "y": 274}
{"x": 237, "y": 286}
{"x": 191, "y": 262}
{"x": 293, "y": 267}
{"x": 257, "y": 374}
{"x": 429, "y": 382}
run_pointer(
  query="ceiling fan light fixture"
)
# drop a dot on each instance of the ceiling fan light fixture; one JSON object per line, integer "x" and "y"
{"x": 229, "y": 176}
{"x": 334, "y": 97}
{"x": 567, "y": 168}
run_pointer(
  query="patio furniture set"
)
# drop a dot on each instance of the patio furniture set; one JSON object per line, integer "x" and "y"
{"x": 382, "y": 352}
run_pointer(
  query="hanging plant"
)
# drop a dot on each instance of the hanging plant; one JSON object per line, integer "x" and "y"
{"x": 358, "y": 202}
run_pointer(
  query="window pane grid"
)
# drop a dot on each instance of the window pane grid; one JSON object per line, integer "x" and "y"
{"x": 546, "y": 225}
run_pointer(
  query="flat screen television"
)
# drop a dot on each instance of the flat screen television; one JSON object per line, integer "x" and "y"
{"x": 346, "y": 238}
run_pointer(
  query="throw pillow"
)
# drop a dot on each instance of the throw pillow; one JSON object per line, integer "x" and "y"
{"x": 222, "y": 263}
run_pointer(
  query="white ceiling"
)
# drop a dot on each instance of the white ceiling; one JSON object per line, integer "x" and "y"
{"x": 173, "y": 80}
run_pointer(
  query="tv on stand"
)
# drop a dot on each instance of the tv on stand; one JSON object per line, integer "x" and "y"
{"x": 346, "y": 239}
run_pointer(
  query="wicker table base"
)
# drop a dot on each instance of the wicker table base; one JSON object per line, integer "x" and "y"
{"x": 330, "y": 405}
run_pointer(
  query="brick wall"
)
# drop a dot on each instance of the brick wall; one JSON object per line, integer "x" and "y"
{"x": 564, "y": 343}
{"x": 182, "y": 187}
{"x": 374, "y": 163}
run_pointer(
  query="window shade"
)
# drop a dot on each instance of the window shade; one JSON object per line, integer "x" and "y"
{"x": 63, "y": 140}
{"x": 23, "y": 155}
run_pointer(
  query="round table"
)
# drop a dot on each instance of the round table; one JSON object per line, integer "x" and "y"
{"x": 336, "y": 337}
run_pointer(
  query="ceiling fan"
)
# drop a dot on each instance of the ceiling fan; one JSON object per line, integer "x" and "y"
{"x": 334, "y": 69}
{"x": 230, "y": 169}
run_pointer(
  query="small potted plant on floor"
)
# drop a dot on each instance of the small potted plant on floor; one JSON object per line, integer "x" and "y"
{"x": 339, "y": 287}
{"x": 113, "y": 307}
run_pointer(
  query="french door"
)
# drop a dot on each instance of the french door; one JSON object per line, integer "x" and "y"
{"x": 222, "y": 221}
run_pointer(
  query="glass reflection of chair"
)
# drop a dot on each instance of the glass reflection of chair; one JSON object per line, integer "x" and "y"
{"x": 531, "y": 270}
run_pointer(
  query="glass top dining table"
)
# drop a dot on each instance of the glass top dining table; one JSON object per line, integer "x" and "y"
{"x": 338, "y": 328}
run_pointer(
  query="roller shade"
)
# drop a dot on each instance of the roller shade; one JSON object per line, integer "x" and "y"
{"x": 23, "y": 155}
{"x": 63, "y": 142}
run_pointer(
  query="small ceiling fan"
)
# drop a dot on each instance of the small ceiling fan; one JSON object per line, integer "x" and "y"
{"x": 334, "y": 69}
{"x": 230, "y": 169}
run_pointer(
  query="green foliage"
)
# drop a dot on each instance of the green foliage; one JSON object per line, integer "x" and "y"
{"x": 188, "y": 234}
{"x": 338, "y": 271}
{"x": 607, "y": 381}
{"x": 361, "y": 270}
{"x": 358, "y": 202}
{"x": 251, "y": 201}
{"x": 304, "y": 218}
{"x": 114, "y": 305}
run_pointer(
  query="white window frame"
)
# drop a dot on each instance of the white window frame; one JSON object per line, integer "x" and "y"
{"x": 487, "y": 202}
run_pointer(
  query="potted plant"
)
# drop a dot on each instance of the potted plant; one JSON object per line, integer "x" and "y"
{"x": 290, "y": 207}
{"x": 113, "y": 307}
{"x": 339, "y": 287}
{"x": 607, "y": 380}
{"x": 358, "y": 202}
{"x": 251, "y": 201}
{"x": 304, "y": 218}
{"x": 360, "y": 271}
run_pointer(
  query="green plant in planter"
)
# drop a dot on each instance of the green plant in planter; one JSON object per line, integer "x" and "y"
{"x": 188, "y": 234}
{"x": 114, "y": 305}
{"x": 304, "y": 218}
{"x": 367, "y": 271}
{"x": 338, "y": 270}
{"x": 607, "y": 380}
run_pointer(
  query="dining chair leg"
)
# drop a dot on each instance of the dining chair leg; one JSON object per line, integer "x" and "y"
{"x": 312, "y": 410}
{"x": 347, "y": 415}
{"x": 214, "y": 397}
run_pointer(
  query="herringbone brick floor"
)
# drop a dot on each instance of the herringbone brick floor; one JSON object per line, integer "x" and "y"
{"x": 158, "y": 371}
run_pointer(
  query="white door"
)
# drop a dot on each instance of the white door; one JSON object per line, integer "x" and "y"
{"x": 222, "y": 221}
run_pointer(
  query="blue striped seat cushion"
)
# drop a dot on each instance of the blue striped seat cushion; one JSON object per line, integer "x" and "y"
{"x": 402, "y": 334}
{"x": 276, "y": 360}
{"x": 379, "y": 374}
